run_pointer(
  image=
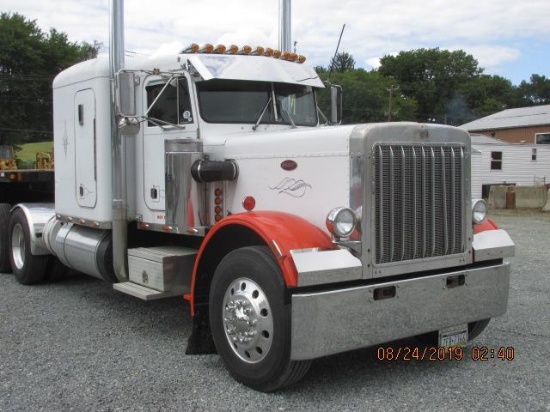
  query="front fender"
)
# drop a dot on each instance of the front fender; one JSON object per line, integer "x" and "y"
{"x": 281, "y": 232}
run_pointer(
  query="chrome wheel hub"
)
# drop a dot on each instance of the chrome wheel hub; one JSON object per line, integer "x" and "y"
{"x": 247, "y": 319}
{"x": 18, "y": 246}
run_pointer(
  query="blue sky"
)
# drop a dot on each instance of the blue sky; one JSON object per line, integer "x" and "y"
{"x": 509, "y": 38}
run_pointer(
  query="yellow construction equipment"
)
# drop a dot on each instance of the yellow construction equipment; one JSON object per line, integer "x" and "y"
{"x": 44, "y": 160}
{"x": 7, "y": 158}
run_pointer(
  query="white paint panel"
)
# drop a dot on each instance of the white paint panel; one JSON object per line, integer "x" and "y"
{"x": 320, "y": 182}
{"x": 67, "y": 164}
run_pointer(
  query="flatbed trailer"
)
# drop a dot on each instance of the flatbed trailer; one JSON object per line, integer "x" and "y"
{"x": 31, "y": 185}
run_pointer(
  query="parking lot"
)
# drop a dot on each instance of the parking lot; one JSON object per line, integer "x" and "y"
{"x": 77, "y": 345}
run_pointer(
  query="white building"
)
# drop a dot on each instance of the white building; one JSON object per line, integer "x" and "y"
{"x": 495, "y": 162}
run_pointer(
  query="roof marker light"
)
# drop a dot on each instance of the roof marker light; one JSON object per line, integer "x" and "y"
{"x": 220, "y": 48}
{"x": 193, "y": 48}
{"x": 258, "y": 51}
{"x": 233, "y": 49}
{"x": 207, "y": 48}
{"x": 245, "y": 50}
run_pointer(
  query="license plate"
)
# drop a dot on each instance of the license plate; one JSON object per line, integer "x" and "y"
{"x": 454, "y": 336}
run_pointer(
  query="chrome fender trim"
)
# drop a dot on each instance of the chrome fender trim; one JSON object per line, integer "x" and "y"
{"x": 493, "y": 244}
{"x": 317, "y": 267}
{"x": 37, "y": 214}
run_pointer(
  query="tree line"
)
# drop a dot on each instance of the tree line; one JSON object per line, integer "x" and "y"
{"x": 29, "y": 60}
{"x": 427, "y": 85}
{"x": 424, "y": 85}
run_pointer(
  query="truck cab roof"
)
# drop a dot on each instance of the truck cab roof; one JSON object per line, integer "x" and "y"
{"x": 207, "y": 66}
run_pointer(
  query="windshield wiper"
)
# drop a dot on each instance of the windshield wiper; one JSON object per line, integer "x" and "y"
{"x": 284, "y": 111}
{"x": 261, "y": 114}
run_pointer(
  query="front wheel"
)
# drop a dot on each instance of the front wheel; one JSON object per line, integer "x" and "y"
{"x": 476, "y": 328}
{"x": 28, "y": 268}
{"x": 250, "y": 321}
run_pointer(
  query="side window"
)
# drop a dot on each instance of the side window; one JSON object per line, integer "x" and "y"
{"x": 496, "y": 160}
{"x": 542, "y": 138}
{"x": 169, "y": 103}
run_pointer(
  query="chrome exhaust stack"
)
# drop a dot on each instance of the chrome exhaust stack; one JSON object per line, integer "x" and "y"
{"x": 119, "y": 204}
{"x": 285, "y": 35}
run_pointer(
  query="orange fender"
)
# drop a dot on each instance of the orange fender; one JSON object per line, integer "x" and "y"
{"x": 487, "y": 225}
{"x": 281, "y": 232}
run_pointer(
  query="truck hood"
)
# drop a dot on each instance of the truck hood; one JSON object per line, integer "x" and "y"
{"x": 303, "y": 142}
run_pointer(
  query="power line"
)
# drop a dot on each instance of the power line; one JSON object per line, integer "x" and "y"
{"x": 25, "y": 77}
{"x": 24, "y": 130}
{"x": 24, "y": 101}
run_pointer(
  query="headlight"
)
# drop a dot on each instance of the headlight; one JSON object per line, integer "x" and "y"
{"x": 479, "y": 211}
{"x": 341, "y": 222}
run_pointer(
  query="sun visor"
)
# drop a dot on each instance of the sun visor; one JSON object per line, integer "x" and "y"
{"x": 253, "y": 68}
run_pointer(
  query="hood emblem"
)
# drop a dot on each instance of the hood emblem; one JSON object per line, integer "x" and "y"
{"x": 289, "y": 165}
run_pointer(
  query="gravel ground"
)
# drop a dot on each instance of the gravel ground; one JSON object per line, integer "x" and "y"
{"x": 78, "y": 345}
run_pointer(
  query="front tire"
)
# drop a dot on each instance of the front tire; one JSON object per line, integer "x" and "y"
{"x": 28, "y": 268}
{"x": 476, "y": 328}
{"x": 250, "y": 321}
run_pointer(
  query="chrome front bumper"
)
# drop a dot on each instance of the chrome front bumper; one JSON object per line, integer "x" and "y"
{"x": 326, "y": 323}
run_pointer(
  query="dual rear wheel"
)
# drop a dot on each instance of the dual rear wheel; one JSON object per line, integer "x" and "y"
{"x": 15, "y": 251}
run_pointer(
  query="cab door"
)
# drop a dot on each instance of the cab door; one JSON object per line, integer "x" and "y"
{"x": 170, "y": 115}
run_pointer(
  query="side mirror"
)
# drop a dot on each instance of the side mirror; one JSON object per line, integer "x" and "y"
{"x": 125, "y": 94}
{"x": 335, "y": 104}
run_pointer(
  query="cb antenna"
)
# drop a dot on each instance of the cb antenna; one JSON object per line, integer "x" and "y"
{"x": 335, "y": 52}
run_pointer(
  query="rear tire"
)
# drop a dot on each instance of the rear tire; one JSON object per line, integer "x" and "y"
{"x": 28, "y": 268}
{"x": 250, "y": 321}
{"x": 5, "y": 266}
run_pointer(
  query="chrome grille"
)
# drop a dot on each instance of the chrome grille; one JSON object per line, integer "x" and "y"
{"x": 418, "y": 195}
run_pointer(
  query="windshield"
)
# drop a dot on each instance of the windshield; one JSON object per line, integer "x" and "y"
{"x": 227, "y": 101}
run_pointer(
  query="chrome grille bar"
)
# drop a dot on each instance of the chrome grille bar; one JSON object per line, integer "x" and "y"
{"x": 418, "y": 208}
